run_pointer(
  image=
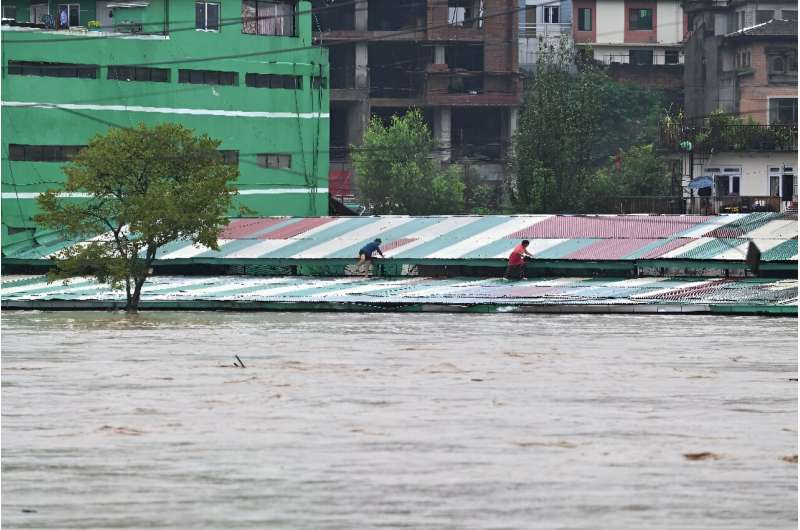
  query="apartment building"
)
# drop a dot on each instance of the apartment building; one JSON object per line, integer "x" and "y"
{"x": 641, "y": 41}
{"x": 741, "y": 60}
{"x": 454, "y": 59}
{"x": 542, "y": 23}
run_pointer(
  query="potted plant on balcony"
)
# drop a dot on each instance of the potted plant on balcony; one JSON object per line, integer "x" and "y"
{"x": 94, "y": 25}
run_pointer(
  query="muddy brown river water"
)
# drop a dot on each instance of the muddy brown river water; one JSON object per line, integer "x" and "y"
{"x": 398, "y": 421}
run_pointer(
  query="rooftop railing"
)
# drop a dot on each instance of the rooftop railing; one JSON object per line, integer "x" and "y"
{"x": 702, "y": 137}
{"x": 542, "y": 29}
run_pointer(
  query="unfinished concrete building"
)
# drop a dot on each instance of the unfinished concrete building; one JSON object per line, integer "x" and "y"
{"x": 454, "y": 59}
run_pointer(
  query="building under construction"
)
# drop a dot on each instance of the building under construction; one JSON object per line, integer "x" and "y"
{"x": 454, "y": 59}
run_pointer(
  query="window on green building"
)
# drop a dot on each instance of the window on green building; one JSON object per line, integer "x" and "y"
{"x": 39, "y": 68}
{"x": 10, "y": 12}
{"x": 138, "y": 73}
{"x": 275, "y": 161}
{"x": 640, "y": 19}
{"x": 206, "y": 15}
{"x": 69, "y": 15}
{"x": 268, "y": 17}
{"x": 230, "y": 156}
{"x": 292, "y": 82}
{"x": 43, "y": 153}
{"x": 206, "y": 77}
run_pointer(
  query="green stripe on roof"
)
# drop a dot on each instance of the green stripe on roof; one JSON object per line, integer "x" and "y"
{"x": 782, "y": 252}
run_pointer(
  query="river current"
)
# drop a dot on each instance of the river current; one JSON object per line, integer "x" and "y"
{"x": 398, "y": 421}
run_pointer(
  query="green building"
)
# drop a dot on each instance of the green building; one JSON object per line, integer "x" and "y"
{"x": 242, "y": 71}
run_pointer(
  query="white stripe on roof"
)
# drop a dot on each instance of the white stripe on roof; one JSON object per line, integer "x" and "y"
{"x": 354, "y": 237}
{"x": 429, "y": 233}
{"x": 715, "y": 223}
{"x": 259, "y": 248}
{"x": 190, "y": 251}
{"x": 688, "y": 246}
{"x": 536, "y": 246}
{"x": 266, "y": 293}
{"x": 775, "y": 229}
{"x": 486, "y": 237}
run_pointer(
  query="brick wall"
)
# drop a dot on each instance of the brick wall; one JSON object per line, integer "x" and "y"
{"x": 668, "y": 77}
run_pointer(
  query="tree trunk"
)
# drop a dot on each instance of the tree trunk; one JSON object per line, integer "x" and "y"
{"x": 133, "y": 303}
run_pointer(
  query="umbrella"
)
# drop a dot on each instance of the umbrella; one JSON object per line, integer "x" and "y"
{"x": 701, "y": 182}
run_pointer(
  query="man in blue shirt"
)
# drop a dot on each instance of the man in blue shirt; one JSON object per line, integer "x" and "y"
{"x": 365, "y": 255}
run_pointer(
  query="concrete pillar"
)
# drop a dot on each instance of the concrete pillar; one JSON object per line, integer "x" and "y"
{"x": 362, "y": 68}
{"x": 360, "y": 20}
{"x": 509, "y": 128}
{"x": 441, "y": 132}
{"x": 439, "y": 55}
{"x": 357, "y": 116}
{"x": 513, "y": 115}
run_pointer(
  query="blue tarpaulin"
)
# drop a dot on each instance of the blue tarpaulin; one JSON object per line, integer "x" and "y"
{"x": 701, "y": 182}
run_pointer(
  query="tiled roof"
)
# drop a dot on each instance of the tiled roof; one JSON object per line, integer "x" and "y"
{"x": 772, "y": 28}
{"x": 241, "y": 291}
{"x": 471, "y": 237}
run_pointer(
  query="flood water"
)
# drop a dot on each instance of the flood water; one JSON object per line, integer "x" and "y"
{"x": 398, "y": 420}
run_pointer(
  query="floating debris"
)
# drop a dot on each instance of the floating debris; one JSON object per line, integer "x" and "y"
{"x": 706, "y": 455}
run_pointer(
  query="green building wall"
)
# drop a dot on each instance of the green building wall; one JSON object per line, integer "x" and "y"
{"x": 68, "y": 111}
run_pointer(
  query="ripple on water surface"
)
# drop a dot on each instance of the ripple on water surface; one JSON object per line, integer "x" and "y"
{"x": 366, "y": 420}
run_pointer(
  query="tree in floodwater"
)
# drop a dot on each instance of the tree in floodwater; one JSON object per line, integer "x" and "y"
{"x": 146, "y": 187}
{"x": 396, "y": 173}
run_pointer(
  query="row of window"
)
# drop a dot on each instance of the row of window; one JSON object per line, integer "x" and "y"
{"x": 65, "y": 153}
{"x": 639, "y": 19}
{"x": 161, "y": 75}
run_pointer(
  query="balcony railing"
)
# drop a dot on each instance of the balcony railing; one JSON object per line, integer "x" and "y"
{"x": 732, "y": 204}
{"x": 658, "y": 60}
{"x": 540, "y": 29}
{"x": 707, "y": 138}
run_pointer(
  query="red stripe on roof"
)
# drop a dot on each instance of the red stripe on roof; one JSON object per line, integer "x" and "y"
{"x": 667, "y": 247}
{"x": 690, "y": 293}
{"x": 297, "y": 228}
{"x": 610, "y": 249}
{"x": 391, "y": 245}
{"x": 241, "y": 228}
{"x": 633, "y": 227}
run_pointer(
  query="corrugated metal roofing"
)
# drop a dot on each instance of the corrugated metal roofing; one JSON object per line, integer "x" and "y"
{"x": 590, "y": 237}
{"x": 540, "y": 291}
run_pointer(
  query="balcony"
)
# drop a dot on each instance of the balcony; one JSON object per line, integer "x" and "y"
{"x": 645, "y": 58}
{"x": 707, "y": 137}
{"x": 543, "y": 30}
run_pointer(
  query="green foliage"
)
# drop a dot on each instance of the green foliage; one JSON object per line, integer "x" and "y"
{"x": 639, "y": 171}
{"x": 396, "y": 175}
{"x": 570, "y": 122}
{"x": 147, "y": 187}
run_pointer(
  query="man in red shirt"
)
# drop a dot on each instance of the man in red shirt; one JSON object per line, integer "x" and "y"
{"x": 516, "y": 261}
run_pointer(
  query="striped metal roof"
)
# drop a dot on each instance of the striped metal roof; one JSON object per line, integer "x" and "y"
{"x": 543, "y": 291}
{"x": 563, "y": 237}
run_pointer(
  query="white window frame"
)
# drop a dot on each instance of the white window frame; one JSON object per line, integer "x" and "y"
{"x": 58, "y": 14}
{"x": 205, "y": 17}
{"x": 547, "y": 14}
